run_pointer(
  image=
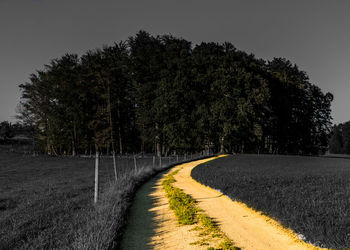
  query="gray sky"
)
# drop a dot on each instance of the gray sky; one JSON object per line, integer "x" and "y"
{"x": 314, "y": 34}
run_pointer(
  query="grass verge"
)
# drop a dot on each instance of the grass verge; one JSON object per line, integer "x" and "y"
{"x": 188, "y": 213}
{"x": 105, "y": 226}
{"x": 47, "y": 202}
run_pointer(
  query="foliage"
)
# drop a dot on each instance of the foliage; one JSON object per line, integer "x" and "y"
{"x": 6, "y": 130}
{"x": 339, "y": 142}
{"x": 164, "y": 95}
{"x": 310, "y": 195}
{"x": 10, "y": 131}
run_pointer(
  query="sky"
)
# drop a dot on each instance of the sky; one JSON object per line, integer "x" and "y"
{"x": 313, "y": 34}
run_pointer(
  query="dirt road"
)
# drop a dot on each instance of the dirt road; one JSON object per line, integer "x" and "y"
{"x": 152, "y": 225}
{"x": 248, "y": 229}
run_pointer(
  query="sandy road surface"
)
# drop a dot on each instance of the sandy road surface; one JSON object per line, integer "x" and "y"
{"x": 247, "y": 228}
{"x": 152, "y": 225}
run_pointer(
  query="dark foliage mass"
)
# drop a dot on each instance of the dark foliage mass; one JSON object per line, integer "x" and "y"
{"x": 17, "y": 131}
{"x": 308, "y": 194}
{"x": 162, "y": 94}
{"x": 339, "y": 142}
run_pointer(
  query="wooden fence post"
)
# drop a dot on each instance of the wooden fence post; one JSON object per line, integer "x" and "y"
{"x": 115, "y": 166}
{"x": 154, "y": 161}
{"x": 160, "y": 162}
{"x": 135, "y": 163}
{"x": 97, "y": 161}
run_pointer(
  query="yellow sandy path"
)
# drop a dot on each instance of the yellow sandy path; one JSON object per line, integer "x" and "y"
{"x": 153, "y": 225}
{"x": 168, "y": 233}
{"x": 247, "y": 228}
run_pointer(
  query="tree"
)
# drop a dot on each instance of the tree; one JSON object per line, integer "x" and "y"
{"x": 146, "y": 65}
{"x": 336, "y": 140}
{"x": 301, "y": 110}
{"x": 163, "y": 95}
{"x": 6, "y": 131}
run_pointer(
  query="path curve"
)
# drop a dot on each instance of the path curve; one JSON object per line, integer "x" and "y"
{"x": 247, "y": 228}
{"x": 152, "y": 225}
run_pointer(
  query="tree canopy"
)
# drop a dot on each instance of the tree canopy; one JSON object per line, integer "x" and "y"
{"x": 339, "y": 141}
{"x": 164, "y": 95}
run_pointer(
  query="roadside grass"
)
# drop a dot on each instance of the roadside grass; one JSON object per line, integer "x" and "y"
{"x": 47, "y": 202}
{"x": 105, "y": 226}
{"x": 310, "y": 195}
{"x": 188, "y": 213}
{"x": 43, "y": 200}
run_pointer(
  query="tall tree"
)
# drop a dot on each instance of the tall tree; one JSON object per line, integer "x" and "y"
{"x": 146, "y": 65}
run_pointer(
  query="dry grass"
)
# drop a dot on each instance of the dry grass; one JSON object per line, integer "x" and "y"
{"x": 104, "y": 228}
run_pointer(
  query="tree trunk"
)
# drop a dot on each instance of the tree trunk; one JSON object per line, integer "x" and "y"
{"x": 120, "y": 141}
{"x": 74, "y": 152}
{"x": 164, "y": 147}
{"x": 73, "y": 148}
{"x": 222, "y": 148}
{"x": 119, "y": 129}
{"x": 48, "y": 145}
{"x": 142, "y": 139}
{"x": 34, "y": 153}
{"x": 158, "y": 145}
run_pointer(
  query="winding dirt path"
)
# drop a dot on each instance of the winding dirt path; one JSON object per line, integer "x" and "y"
{"x": 152, "y": 225}
{"x": 247, "y": 228}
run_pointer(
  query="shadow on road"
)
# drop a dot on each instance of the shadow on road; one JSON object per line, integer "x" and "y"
{"x": 142, "y": 221}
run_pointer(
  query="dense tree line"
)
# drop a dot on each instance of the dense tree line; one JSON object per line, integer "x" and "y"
{"x": 14, "y": 131}
{"x": 164, "y": 95}
{"x": 9, "y": 130}
{"x": 339, "y": 142}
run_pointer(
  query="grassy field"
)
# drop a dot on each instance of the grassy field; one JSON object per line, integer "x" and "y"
{"x": 311, "y": 195}
{"x": 47, "y": 202}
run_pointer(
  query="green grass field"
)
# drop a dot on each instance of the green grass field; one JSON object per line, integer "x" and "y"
{"x": 311, "y": 195}
{"x": 46, "y": 202}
